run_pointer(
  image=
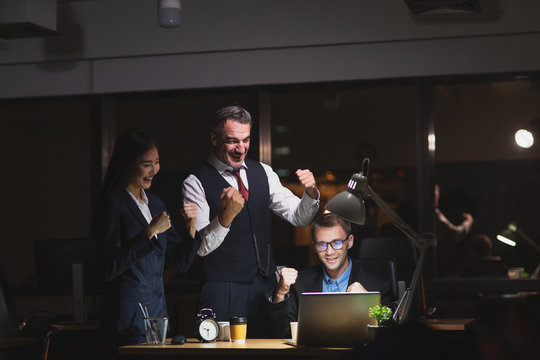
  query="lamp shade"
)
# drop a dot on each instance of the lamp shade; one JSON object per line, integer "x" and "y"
{"x": 348, "y": 206}
{"x": 507, "y": 236}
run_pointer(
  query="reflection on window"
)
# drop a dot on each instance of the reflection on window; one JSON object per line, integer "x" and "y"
{"x": 483, "y": 172}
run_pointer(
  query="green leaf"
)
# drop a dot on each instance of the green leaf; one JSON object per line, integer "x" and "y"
{"x": 380, "y": 313}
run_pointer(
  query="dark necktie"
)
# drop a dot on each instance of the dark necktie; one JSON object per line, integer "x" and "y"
{"x": 241, "y": 187}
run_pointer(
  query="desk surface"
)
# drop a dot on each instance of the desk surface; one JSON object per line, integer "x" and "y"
{"x": 11, "y": 342}
{"x": 447, "y": 324}
{"x": 252, "y": 347}
{"x": 267, "y": 348}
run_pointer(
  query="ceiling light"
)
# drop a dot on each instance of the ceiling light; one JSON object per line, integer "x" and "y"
{"x": 169, "y": 13}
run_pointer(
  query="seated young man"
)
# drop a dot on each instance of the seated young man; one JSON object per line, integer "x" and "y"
{"x": 332, "y": 238}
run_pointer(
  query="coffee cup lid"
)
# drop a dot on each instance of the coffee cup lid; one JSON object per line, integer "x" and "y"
{"x": 238, "y": 320}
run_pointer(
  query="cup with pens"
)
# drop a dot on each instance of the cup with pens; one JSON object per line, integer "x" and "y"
{"x": 156, "y": 327}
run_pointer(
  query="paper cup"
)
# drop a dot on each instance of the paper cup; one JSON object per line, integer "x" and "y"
{"x": 224, "y": 331}
{"x": 238, "y": 329}
{"x": 294, "y": 329}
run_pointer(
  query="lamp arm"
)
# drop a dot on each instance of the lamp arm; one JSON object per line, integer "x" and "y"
{"x": 357, "y": 188}
{"x": 408, "y": 296}
{"x": 422, "y": 242}
{"x": 394, "y": 217}
{"x": 401, "y": 313}
{"x": 529, "y": 240}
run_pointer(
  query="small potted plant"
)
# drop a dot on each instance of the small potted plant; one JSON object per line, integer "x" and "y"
{"x": 382, "y": 315}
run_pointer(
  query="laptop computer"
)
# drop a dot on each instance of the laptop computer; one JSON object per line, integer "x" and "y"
{"x": 334, "y": 319}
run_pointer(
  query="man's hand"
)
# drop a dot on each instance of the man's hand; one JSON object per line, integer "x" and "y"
{"x": 159, "y": 224}
{"x": 189, "y": 212}
{"x": 308, "y": 181}
{"x": 231, "y": 205}
{"x": 286, "y": 279}
{"x": 356, "y": 287}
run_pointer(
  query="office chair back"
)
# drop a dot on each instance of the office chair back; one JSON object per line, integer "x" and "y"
{"x": 384, "y": 269}
{"x": 398, "y": 249}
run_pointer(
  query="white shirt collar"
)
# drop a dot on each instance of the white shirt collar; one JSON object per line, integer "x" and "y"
{"x": 219, "y": 165}
{"x": 144, "y": 198}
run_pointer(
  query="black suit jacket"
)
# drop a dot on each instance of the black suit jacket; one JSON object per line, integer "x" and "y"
{"x": 133, "y": 264}
{"x": 311, "y": 280}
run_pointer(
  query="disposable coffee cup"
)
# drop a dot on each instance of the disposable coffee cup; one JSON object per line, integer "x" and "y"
{"x": 238, "y": 326}
{"x": 156, "y": 330}
{"x": 294, "y": 330}
{"x": 224, "y": 331}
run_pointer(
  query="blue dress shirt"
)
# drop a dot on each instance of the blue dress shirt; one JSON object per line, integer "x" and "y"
{"x": 338, "y": 285}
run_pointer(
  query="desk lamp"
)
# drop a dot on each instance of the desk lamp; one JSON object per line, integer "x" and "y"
{"x": 510, "y": 235}
{"x": 349, "y": 205}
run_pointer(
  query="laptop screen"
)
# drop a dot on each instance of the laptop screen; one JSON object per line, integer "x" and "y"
{"x": 335, "y": 319}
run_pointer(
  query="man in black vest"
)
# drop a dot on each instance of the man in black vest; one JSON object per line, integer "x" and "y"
{"x": 234, "y": 196}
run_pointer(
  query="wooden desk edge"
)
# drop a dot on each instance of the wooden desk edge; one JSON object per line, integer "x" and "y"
{"x": 447, "y": 324}
{"x": 11, "y": 342}
{"x": 252, "y": 346}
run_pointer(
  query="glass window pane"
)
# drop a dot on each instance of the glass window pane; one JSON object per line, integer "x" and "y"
{"x": 330, "y": 131}
{"x": 482, "y": 171}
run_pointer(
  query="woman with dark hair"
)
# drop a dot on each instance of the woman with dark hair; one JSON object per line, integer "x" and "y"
{"x": 135, "y": 233}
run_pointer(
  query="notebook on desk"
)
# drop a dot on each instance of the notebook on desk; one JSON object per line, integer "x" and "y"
{"x": 334, "y": 319}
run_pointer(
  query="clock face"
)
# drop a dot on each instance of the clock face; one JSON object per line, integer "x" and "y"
{"x": 208, "y": 330}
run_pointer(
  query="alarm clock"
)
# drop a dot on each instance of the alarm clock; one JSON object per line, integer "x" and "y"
{"x": 206, "y": 327}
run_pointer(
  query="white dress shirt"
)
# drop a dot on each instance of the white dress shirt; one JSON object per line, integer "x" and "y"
{"x": 142, "y": 205}
{"x": 299, "y": 212}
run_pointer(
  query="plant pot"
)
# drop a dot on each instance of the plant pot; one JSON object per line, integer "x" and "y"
{"x": 373, "y": 330}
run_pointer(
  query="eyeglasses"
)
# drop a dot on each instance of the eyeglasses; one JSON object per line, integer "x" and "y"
{"x": 335, "y": 244}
